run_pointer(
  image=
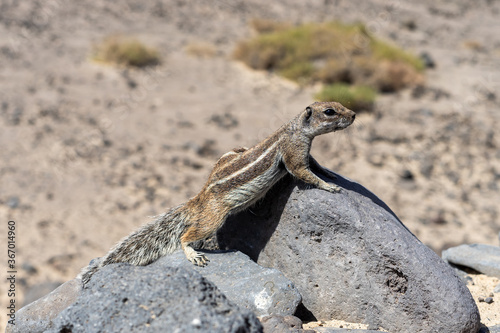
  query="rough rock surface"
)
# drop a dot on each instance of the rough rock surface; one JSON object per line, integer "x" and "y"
{"x": 37, "y": 317}
{"x": 494, "y": 329}
{"x": 342, "y": 330}
{"x": 39, "y": 290}
{"x": 264, "y": 291}
{"x": 124, "y": 298}
{"x": 283, "y": 324}
{"x": 352, "y": 259}
{"x": 481, "y": 257}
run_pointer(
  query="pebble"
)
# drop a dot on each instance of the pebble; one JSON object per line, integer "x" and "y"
{"x": 427, "y": 60}
{"x": 407, "y": 175}
{"x": 487, "y": 300}
{"x": 13, "y": 202}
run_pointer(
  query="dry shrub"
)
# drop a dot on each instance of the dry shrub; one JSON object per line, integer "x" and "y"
{"x": 356, "y": 98}
{"x": 127, "y": 51}
{"x": 335, "y": 70}
{"x": 473, "y": 45}
{"x": 392, "y": 76}
{"x": 201, "y": 49}
{"x": 263, "y": 26}
{"x": 329, "y": 53}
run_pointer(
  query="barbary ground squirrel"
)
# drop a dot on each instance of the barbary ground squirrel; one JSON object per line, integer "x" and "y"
{"x": 239, "y": 179}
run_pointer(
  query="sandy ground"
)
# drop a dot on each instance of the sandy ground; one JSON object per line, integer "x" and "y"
{"x": 482, "y": 286}
{"x": 90, "y": 151}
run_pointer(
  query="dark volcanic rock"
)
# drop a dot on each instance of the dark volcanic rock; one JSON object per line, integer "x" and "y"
{"x": 342, "y": 330}
{"x": 352, "y": 259}
{"x": 286, "y": 324}
{"x": 264, "y": 291}
{"x": 481, "y": 257}
{"x": 154, "y": 298}
{"x": 37, "y": 317}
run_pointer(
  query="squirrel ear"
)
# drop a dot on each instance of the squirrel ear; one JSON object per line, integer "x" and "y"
{"x": 307, "y": 114}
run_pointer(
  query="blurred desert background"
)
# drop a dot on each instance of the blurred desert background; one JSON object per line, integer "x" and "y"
{"x": 91, "y": 148}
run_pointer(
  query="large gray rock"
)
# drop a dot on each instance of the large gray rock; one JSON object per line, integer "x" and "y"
{"x": 351, "y": 258}
{"x": 494, "y": 329}
{"x": 481, "y": 257}
{"x": 154, "y": 298}
{"x": 264, "y": 291}
{"x": 37, "y": 317}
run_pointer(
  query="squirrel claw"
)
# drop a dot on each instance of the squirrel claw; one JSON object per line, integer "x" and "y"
{"x": 333, "y": 188}
{"x": 199, "y": 260}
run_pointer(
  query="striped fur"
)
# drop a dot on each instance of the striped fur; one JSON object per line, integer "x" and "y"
{"x": 238, "y": 179}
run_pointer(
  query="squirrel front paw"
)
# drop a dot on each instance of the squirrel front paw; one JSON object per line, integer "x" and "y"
{"x": 331, "y": 188}
{"x": 334, "y": 189}
{"x": 199, "y": 259}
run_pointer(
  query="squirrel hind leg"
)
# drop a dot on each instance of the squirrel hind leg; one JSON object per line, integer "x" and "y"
{"x": 197, "y": 258}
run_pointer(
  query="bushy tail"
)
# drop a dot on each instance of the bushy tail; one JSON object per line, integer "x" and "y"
{"x": 145, "y": 245}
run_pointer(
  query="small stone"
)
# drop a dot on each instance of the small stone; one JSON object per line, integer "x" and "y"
{"x": 480, "y": 299}
{"x": 407, "y": 175}
{"x": 196, "y": 322}
{"x": 410, "y": 25}
{"x": 488, "y": 300}
{"x": 13, "y": 202}
{"x": 224, "y": 121}
{"x": 29, "y": 268}
{"x": 427, "y": 60}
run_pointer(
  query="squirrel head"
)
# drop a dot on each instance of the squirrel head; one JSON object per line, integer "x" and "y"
{"x": 325, "y": 117}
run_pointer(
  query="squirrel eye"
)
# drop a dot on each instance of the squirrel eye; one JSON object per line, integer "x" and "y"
{"x": 330, "y": 112}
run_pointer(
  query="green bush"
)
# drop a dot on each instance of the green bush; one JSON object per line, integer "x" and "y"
{"x": 356, "y": 98}
{"x": 126, "y": 51}
{"x": 389, "y": 52}
{"x": 331, "y": 53}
